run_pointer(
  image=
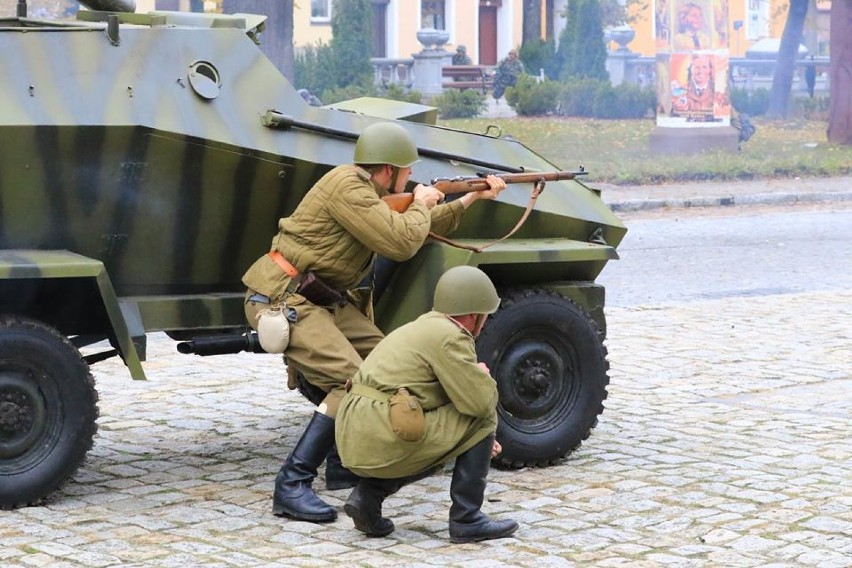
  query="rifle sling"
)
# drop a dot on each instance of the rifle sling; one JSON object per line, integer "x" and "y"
{"x": 537, "y": 189}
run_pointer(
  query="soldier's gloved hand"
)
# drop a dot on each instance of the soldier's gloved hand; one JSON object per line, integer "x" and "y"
{"x": 428, "y": 195}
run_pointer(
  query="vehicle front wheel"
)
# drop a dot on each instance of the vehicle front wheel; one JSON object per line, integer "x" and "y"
{"x": 48, "y": 411}
{"x": 549, "y": 361}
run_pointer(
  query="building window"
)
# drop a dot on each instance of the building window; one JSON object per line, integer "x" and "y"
{"x": 758, "y": 19}
{"x": 320, "y": 10}
{"x": 432, "y": 14}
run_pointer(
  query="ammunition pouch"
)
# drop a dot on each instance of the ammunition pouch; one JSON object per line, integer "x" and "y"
{"x": 406, "y": 416}
{"x": 318, "y": 292}
{"x": 404, "y": 411}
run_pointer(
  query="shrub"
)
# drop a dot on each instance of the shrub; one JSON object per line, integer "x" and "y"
{"x": 335, "y": 95}
{"x": 599, "y": 99}
{"x": 540, "y": 54}
{"x": 460, "y": 103}
{"x": 346, "y": 60}
{"x": 578, "y": 97}
{"x": 314, "y": 68}
{"x": 633, "y": 101}
{"x": 397, "y": 93}
{"x": 605, "y": 101}
{"x": 530, "y": 98}
{"x": 752, "y": 103}
{"x": 351, "y": 41}
{"x": 811, "y": 108}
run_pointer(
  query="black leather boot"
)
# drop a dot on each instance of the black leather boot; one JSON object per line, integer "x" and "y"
{"x": 337, "y": 476}
{"x": 467, "y": 490}
{"x": 293, "y": 495}
{"x": 364, "y": 505}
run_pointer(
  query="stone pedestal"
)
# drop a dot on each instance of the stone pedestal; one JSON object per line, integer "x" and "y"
{"x": 427, "y": 72}
{"x": 668, "y": 140}
{"x": 617, "y": 65}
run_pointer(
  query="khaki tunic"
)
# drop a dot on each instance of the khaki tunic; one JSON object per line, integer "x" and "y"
{"x": 435, "y": 359}
{"x": 335, "y": 232}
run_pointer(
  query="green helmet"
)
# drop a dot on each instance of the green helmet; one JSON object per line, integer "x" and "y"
{"x": 385, "y": 143}
{"x": 465, "y": 290}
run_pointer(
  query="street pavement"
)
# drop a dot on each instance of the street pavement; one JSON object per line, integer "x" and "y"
{"x": 724, "y": 442}
{"x": 792, "y": 191}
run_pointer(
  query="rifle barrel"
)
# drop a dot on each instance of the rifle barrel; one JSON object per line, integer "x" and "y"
{"x": 463, "y": 184}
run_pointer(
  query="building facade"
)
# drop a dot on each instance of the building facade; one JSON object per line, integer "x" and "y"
{"x": 490, "y": 28}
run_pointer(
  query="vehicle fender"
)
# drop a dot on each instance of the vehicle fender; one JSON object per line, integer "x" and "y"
{"x": 561, "y": 265}
{"x": 44, "y": 265}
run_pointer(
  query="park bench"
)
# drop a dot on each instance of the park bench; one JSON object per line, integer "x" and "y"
{"x": 468, "y": 77}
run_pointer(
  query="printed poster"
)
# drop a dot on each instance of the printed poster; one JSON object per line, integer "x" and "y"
{"x": 692, "y": 62}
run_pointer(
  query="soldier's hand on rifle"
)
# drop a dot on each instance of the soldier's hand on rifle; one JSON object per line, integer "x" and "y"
{"x": 428, "y": 195}
{"x": 496, "y": 185}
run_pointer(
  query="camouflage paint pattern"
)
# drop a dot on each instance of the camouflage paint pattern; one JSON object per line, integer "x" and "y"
{"x": 146, "y": 146}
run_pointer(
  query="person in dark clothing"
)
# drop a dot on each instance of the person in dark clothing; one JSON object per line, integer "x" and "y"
{"x": 507, "y": 73}
{"x": 810, "y": 77}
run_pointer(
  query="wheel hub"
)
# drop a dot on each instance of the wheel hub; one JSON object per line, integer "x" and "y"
{"x": 22, "y": 413}
{"x": 534, "y": 380}
{"x": 536, "y": 373}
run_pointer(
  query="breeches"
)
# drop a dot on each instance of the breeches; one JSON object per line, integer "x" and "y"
{"x": 327, "y": 345}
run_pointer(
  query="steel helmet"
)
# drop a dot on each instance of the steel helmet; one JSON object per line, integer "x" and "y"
{"x": 385, "y": 143}
{"x": 465, "y": 290}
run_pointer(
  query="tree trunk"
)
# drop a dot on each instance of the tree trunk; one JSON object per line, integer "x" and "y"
{"x": 532, "y": 20}
{"x": 785, "y": 65}
{"x": 276, "y": 41}
{"x": 840, "y": 73}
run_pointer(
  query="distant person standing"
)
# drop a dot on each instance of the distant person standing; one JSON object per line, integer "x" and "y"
{"x": 507, "y": 73}
{"x": 460, "y": 57}
{"x": 810, "y": 77}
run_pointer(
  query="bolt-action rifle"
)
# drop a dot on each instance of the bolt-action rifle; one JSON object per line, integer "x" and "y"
{"x": 399, "y": 202}
{"x": 462, "y": 184}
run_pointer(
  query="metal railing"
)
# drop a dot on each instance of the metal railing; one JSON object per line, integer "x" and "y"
{"x": 746, "y": 73}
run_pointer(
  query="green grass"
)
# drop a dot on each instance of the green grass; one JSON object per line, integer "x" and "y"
{"x": 617, "y": 151}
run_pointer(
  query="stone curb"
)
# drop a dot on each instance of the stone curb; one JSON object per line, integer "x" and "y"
{"x": 728, "y": 201}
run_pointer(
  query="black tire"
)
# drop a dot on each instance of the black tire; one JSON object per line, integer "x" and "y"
{"x": 549, "y": 361}
{"x": 48, "y": 411}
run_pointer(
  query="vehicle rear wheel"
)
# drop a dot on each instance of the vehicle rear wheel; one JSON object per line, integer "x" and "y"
{"x": 48, "y": 411}
{"x": 549, "y": 361}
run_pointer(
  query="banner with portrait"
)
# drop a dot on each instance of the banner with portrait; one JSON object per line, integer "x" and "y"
{"x": 692, "y": 62}
{"x": 697, "y": 90}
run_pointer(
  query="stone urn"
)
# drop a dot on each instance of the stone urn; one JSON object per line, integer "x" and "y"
{"x": 433, "y": 39}
{"x": 622, "y": 35}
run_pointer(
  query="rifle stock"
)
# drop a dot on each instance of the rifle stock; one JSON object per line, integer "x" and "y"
{"x": 399, "y": 202}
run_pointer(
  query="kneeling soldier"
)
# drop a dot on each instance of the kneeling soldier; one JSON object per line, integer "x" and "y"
{"x": 421, "y": 399}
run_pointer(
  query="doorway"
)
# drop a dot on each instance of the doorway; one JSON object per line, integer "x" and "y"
{"x": 488, "y": 32}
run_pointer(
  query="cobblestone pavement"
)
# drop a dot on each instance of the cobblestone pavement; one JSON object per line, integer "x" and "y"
{"x": 725, "y": 442}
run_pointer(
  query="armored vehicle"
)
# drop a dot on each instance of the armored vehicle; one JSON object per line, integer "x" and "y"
{"x": 144, "y": 162}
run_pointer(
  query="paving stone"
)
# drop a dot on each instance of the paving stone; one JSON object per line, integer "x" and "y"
{"x": 724, "y": 443}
